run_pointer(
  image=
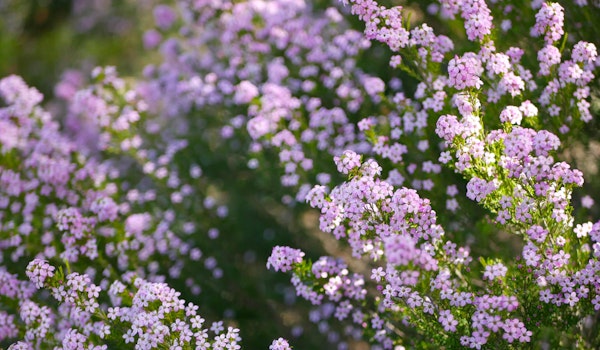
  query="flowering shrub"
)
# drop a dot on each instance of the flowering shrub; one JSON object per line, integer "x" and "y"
{"x": 436, "y": 163}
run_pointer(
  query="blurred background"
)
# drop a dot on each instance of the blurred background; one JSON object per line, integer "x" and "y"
{"x": 45, "y": 41}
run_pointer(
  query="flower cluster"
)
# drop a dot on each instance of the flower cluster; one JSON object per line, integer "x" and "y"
{"x": 401, "y": 228}
{"x": 283, "y": 258}
{"x": 464, "y": 72}
{"x": 510, "y": 169}
{"x": 145, "y": 314}
{"x": 549, "y": 21}
{"x": 62, "y": 207}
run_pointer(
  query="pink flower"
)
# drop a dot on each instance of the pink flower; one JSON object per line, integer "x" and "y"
{"x": 549, "y": 21}
{"x": 282, "y": 258}
{"x": 280, "y": 344}
{"x": 495, "y": 271}
{"x": 38, "y": 271}
{"x": 347, "y": 161}
{"x": 511, "y": 114}
{"x": 447, "y": 321}
{"x": 464, "y": 72}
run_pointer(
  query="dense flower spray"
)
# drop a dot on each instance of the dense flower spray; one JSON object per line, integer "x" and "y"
{"x": 429, "y": 184}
